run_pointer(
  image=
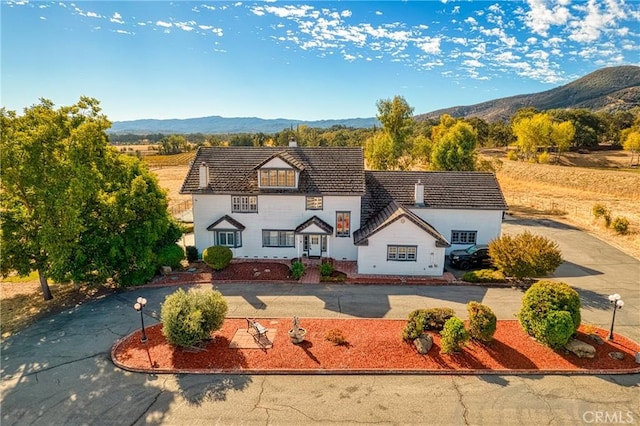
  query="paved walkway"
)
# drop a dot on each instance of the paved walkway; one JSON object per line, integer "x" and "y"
{"x": 58, "y": 371}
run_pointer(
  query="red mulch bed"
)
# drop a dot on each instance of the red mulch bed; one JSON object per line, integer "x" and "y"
{"x": 373, "y": 345}
{"x": 236, "y": 271}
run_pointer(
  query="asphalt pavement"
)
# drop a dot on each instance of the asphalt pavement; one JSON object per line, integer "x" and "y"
{"x": 58, "y": 371}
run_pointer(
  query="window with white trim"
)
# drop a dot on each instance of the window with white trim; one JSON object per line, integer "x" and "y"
{"x": 463, "y": 237}
{"x": 228, "y": 238}
{"x": 402, "y": 253}
{"x": 343, "y": 224}
{"x": 274, "y": 238}
{"x": 244, "y": 204}
{"x": 314, "y": 203}
{"x": 279, "y": 178}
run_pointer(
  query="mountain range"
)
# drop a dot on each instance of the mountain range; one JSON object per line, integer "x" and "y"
{"x": 608, "y": 89}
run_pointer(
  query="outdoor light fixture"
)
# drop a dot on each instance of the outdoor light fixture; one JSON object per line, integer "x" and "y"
{"x": 617, "y": 303}
{"x": 140, "y": 303}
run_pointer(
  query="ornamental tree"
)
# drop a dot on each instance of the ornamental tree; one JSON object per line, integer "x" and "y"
{"x": 72, "y": 207}
{"x": 525, "y": 255}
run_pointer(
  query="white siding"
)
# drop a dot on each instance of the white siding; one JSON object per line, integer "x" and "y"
{"x": 487, "y": 223}
{"x": 275, "y": 212}
{"x": 372, "y": 259}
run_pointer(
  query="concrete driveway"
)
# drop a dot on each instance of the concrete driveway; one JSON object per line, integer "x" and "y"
{"x": 59, "y": 371}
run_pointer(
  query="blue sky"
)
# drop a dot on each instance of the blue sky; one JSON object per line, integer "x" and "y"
{"x": 303, "y": 60}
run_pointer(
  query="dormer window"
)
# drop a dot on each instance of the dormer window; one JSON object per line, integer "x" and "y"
{"x": 277, "y": 178}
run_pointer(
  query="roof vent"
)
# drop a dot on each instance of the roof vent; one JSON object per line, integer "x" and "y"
{"x": 418, "y": 194}
{"x": 204, "y": 175}
{"x": 292, "y": 142}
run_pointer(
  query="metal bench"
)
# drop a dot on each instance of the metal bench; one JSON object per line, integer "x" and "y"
{"x": 259, "y": 331}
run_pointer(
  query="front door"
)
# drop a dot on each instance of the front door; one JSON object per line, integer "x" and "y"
{"x": 315, "y": 246}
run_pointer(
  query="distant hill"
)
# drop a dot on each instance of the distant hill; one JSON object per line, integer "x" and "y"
{"x": 608, "y": 89}
{"x": 217, "y": 125}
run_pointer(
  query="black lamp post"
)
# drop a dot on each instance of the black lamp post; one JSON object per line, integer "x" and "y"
{"x": 140, "y": 303}
{"x": 617, "y": 303}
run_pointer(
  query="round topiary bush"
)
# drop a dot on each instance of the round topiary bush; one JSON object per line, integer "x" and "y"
{"x": 543, "y": 299}
{"x": 453, "y": 335}
{"x": 188, "y": 318}
{"x": 217, "y": 257}
{"x": 170, "y": 255}
{"x": 482, "y": 321}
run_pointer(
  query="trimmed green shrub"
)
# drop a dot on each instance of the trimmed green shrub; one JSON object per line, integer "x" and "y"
{"x": 326, "y": 269}
{"x": 170, "y": 255}
{"x": 192, "y": 254}
{"x": 453, "y": 335}
{"x": 525, "y": 255}
{"x": 189, "y": 318}
{"x": 422, "y": 320}
{"x": 620, "y": 225}
{"x": 297, "y": 270}
{"x": 482, "y": 321}
{"x": 558, "y": 328}
{"x": 484, "y": 276}
{"x": 539, "y": 302}
{"x": 217, "y": 257}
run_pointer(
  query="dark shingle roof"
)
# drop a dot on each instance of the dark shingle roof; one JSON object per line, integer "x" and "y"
{"x": 442, "y": 190}
{"x": 387, "y": 216}
{"x": 323, "y": 170}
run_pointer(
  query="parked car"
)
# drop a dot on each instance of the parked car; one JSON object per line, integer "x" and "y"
{"x": 476, "y": 255}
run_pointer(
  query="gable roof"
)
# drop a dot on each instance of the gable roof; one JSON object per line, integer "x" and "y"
{"x": 315, "y": 220}
{"x": 442, "y": 190}
{"x": 323, "y": 170}
{"x": 388, "y": 215}
{"x": 226, "y": 218}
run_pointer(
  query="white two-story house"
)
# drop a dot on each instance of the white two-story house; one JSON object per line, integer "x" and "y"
{"x": 292, "y": 202}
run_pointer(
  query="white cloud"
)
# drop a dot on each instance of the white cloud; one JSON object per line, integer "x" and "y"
{"x": 117, "y": 18}
{"x": 345, "y": 13}
{"x": 430, "y": 45}
{"x": 43, "y": 18}
{"x": 124, "y": 32}
{"x": 597, "y": 19}
{"x": 542, "y": 16}
{"x": 184, "y": 26}
{"x": 378, "y": 13}
{"x": 93, "y": 15}
{"x": 164, "y": 24}
{"x": 474, "y": 63}
{"x": 288, "y": 10}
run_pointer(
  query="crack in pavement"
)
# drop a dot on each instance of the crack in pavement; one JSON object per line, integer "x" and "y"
{"x": 465, "y": 413}
{"x": 51, "y": 367}
{"x": 541, "y": 398}
{"x": 151, "y": 404}
{"x": 259, "y": 401}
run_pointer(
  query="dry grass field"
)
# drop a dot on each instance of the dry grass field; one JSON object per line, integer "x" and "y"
{"x": 568, "y": 193}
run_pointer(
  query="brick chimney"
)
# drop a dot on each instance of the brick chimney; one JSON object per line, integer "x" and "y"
{"x": 204, "y": 175}
{"x": 292, "y": 142}
{"x": 418, "y": 193}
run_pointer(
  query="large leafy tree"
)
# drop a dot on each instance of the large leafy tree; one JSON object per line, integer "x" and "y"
{"x": 72, "y": 207}
{"x": 396, "y": 117}
{"x": 455, "y": 148}
{"x": 540, "y": 131}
